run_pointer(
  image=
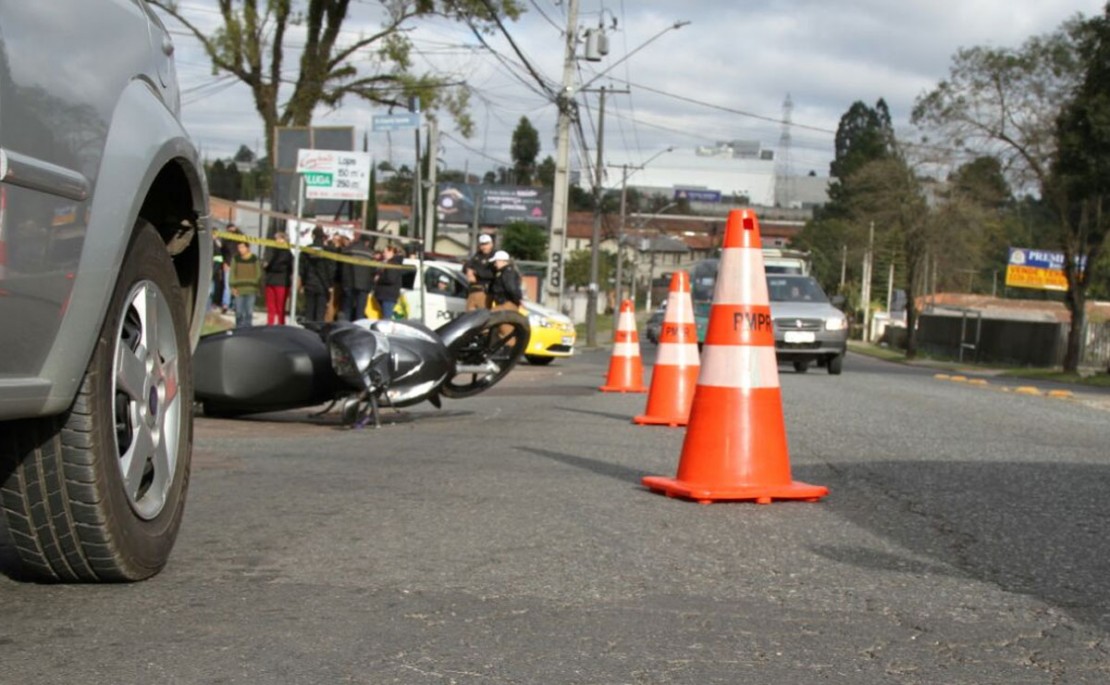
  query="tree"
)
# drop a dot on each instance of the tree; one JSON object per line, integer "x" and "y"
{"x": 1079, "y": 181}
{"x": 545, "y": 172}
{"x": 244, "y": 156}
{"x": 524, "y": 150}
{"x": 887, "y": 193}
{"x": 524, "y": 241}
{"x": 864, "y": 135}
{"x": 1013, "y": 104}
{"x": 251, "y": 46}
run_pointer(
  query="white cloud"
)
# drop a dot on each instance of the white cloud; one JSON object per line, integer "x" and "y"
{"x": 738, "y": 55}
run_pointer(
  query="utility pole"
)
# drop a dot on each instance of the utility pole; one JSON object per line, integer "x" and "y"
{"x": 430, "y": 204}
{"x": 865, "y": 290}
{"x": 620, "y": 248}
{"x": 595, "y": 240}
{"x": 564, "y": 101}
{"x": 414, "y": 223}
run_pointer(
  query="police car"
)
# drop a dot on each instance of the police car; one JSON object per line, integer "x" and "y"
{"x": 443, "y": 288}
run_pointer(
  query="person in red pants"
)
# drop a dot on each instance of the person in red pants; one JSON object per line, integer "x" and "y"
{"x": 278, "y": 272}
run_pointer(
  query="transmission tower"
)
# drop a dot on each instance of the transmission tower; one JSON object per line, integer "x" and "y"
{"x": 785, "y": 174}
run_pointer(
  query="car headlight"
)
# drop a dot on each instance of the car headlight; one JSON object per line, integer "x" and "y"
{"x": 836, "y": 323}
{"x": 538, "y": 321}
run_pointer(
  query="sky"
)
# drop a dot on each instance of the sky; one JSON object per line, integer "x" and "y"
{"x": 724, "y": 76}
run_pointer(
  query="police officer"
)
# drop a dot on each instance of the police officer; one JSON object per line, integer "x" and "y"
{"x": 505, "y": 291}
{"x": 479, "y": 274}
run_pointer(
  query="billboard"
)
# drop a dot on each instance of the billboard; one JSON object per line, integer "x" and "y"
{"x": 497, "y": 205}
{"x": 1036, "y": 269}
{"x": 288, "y": 141}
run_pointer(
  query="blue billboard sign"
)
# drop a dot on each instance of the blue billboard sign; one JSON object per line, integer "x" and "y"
{"x": 395, "y": 122}
{"x": 697, "y": 195}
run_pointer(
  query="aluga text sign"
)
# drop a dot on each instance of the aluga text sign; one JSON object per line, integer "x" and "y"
{"x": 334, "y": 174}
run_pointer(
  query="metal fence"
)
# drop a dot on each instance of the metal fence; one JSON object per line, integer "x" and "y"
{"x": 1096, "y": 345}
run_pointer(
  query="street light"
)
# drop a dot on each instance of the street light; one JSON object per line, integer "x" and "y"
{"x": 620, "y": 226}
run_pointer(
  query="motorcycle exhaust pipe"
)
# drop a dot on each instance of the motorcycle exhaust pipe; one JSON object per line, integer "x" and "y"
{"x": 488, "y": 367}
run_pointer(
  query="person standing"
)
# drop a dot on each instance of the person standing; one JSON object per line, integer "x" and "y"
{"x": 317, "y": 274}
{"x": 278, "y": 269}
{"x": 245, "y": 282}
{"x": 505, "y": 290}
{"x": 479, "y": 274}
{"x": 358, "y": 279}
{"x": 229, "y": 250}
{"x": 387, "y": 288}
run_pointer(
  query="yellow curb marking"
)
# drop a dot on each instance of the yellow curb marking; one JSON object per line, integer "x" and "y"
{"x": 958, "y": 379}
{"x": 1027, "y": 390}
{"x": 1061, "y": 394}
{"x": 942, "y": 377}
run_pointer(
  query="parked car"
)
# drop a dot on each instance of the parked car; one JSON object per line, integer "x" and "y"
{"x": 553, "y": 335}
{"x": 655, "y": 323}
{"x": 105, "y": 263}
{"x": 808, "y": 328}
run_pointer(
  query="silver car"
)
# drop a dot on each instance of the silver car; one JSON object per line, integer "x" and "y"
{"x": 808, "y": 328}
{"x": 104, "y": 271}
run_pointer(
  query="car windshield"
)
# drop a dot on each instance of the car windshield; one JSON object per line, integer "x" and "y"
{"x": 794, "y": 289}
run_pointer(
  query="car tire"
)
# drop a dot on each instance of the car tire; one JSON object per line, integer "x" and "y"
{"x": 97, "y": 493}
{"x": 801, "y": 367}
{"x": 836, "y": 365}
{"x": 538, "y": 360}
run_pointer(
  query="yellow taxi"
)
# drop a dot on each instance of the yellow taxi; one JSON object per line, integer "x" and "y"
{"x": 553, "y": 334}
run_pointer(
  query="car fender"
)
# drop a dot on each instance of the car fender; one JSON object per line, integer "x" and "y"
{"x": 144, "y": 137}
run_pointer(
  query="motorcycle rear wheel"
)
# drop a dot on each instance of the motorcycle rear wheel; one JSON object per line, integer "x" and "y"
{"x": 500, "y": 342}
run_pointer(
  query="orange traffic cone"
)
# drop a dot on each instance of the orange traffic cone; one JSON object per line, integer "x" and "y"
{"x": 626, "y": 371}
{"x": 735, "y": 446}
{"x": 675, "y": 374}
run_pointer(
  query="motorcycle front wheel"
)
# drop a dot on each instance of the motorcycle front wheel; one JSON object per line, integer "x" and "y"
{"x": 496, "y": 347}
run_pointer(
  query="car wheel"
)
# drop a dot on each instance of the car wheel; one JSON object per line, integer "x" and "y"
{"x": 97, "y": 493}
{"x": 801, "y": 367}
{"x": 836, "y": 365}
{"x": 537, "y": 360}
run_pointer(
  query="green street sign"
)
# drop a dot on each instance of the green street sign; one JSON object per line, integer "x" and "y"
{"x": 316, "y": 179}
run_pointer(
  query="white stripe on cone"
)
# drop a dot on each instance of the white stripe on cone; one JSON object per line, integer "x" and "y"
{"x": 739, "y": 366}
{"x": 679, "y": 308}
{"x": 626, "y": 349}
{"x": 627, "y": 322}
{"x": 746, "y": 289}
{"x": 676, "y": 354}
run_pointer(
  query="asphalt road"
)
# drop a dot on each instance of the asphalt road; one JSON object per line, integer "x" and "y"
{"x": 506, "y": 539}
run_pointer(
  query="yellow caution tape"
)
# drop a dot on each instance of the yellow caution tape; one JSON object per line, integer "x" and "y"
{"x": 326, "y": 254}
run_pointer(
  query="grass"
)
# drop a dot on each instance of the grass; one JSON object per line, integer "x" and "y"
{"x": 214, "y": 323}
{"x": 1099, "y": 379}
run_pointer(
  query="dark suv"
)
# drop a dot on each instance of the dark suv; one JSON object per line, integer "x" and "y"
{"x": 104, "y": 271}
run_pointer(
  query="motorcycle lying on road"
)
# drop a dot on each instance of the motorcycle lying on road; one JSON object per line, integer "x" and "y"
{"x": 363, "y": 365}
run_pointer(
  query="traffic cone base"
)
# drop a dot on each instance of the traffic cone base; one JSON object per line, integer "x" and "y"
{"x": 761, "y": 494}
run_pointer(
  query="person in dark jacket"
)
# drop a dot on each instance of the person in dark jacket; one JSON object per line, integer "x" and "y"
{"x": 278, "y": 272}
{"x": 479, "y": 274}
{"x": 505, "y": 290}
{"x": 317, "y": 275}
{"x": 387, "y": 288}
{"x": 358, "y": 279}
